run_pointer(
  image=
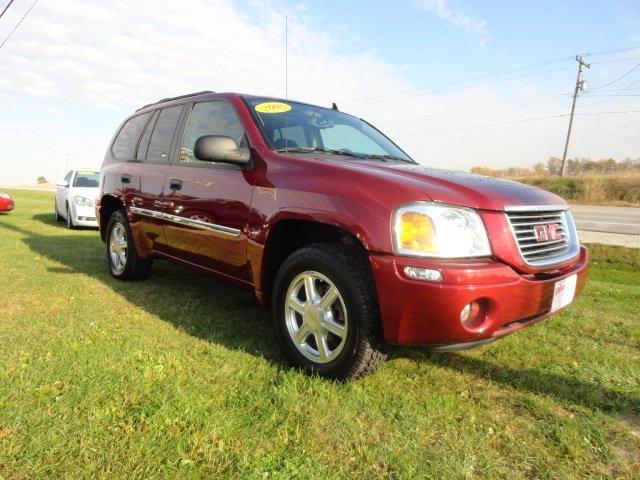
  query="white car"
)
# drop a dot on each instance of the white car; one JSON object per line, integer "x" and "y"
{"x": 75, "y": 198}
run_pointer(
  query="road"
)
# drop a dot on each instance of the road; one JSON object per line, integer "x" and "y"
{"x": 607, "y": 219}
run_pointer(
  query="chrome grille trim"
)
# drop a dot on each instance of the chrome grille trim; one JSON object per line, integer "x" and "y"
{"x": 523, "y": 218}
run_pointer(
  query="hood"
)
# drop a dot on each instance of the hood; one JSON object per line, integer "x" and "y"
{"x": 475, "y": 191}
{"x": 88, "y": 192}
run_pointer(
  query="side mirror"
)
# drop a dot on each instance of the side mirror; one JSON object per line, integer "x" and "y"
{"x": 63, "y": 183}
{"x": 220, "y": 148}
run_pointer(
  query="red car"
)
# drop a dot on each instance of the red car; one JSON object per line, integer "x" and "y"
{"x": 6, "y": 202}
{"x": 350, "y": 242}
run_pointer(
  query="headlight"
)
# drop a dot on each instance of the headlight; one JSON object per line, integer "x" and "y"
{"x": 83, "y": 201}
{"x": 423, "y": 229}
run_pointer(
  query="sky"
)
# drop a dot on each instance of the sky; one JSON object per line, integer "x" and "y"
{"x": 457, "y": 84}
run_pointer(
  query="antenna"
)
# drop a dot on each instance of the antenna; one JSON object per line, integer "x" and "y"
{"x": 286, "y": 58}
{"x": 286, "y": 76}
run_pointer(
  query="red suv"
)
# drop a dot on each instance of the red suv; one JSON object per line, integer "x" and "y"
{"x": 351, "y": 243}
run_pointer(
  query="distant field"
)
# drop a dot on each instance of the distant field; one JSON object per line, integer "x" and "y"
{"x": 179, "y": 377}
{"x": 594, "y": 189}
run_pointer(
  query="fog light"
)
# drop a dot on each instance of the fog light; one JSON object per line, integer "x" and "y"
{"x": 423, "y": 274}
{"x": 472, "y": 315}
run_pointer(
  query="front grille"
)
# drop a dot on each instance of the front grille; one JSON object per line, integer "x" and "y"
{"x": 544, "y": 236}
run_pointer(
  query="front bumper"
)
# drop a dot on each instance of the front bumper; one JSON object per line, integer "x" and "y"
{"x": 84, "y": 216}
{"x": 416, "y": 312}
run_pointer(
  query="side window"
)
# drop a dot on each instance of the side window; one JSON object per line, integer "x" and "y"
{"x": 160, "y": 142}
{"x": 146, "y": 136}
{"x": 345, "y": 136}
{"x": 210, "y": 118}
{"x": 125, "y": 143}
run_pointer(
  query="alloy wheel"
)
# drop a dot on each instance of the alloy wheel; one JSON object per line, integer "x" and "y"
{"x": 118, "y": 246}
{"x": 316, "y": 317}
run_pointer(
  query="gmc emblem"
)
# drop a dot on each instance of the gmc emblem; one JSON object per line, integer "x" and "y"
{"x": 546, "y": 233}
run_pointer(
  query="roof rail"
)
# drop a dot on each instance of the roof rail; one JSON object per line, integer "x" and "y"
{"x": 175, "y": 98}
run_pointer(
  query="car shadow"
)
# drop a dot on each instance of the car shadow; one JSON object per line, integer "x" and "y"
{"x": 50, "y": 219}
{"x": 215, "y": 311}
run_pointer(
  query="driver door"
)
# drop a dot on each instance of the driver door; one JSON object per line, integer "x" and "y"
{"x": 207, "y": 202}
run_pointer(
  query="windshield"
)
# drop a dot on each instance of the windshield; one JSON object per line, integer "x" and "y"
{"x": 303, "y": 128}
{"x": 86, "y": 178}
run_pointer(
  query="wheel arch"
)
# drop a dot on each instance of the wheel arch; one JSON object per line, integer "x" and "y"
{"x": 288, "y": 235}
{"x": 108, "y": 205}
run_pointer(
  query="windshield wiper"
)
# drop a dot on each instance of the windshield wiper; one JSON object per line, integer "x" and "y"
{"x": 386, "y": 158}
{"x": 319, "y": 150}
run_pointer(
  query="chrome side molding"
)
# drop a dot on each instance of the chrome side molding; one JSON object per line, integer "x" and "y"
{"x": 186, "y": 221}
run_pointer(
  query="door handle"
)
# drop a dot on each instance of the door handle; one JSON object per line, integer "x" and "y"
{"x": 175, "y": 184}
{"x": 125, "y": 178}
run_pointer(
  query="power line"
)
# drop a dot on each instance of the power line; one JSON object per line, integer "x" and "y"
{"x": 614, "y": 95}
{"x": 6, "y": 8}
{"x": 614, "y": 60}
{"x": 486, "y": 108}
{"x": 609, "y": 52}
{"x": 514, "y": 122}
{"x": 18, "y": 24}
{"x": 617, "y": 79}
{"x": 499, "y": 73}
{"x": 433, "y": 89}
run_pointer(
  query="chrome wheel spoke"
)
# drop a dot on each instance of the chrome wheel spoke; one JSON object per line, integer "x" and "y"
{"x": 323, "y": 348}
{"x": 301, "y": 335}
{"x": 328, "y": 299}
{"x": 334, "y": 327}
{"x": 296, "y": 305}
{"x": 310, "y": 288}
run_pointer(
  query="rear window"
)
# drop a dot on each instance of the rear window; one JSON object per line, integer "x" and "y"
{"x": 86, "y": 178}
{"x": 125, "y": 143}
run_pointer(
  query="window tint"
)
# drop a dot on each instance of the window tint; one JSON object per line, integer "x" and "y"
{"x": 345, "y": 136}
{"x": 146, "y": 136}
{"x": 160, "y": 143}
{"x": 125, "y": 144}
{"x": 289, "y": 136}
{"x": 86, "y": 178}
{"x": 210, "y": 118}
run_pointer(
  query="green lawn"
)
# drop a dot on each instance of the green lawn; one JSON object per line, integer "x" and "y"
{"x": 179, "y": 377}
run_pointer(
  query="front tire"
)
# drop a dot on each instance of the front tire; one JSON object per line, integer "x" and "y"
{"x": 122, "y": 257}
{"x": 57, "y": 213}
{"x": 70, "y": 224}
{"x": 326, "y": 313}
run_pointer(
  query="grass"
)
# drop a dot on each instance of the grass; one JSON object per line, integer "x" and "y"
{"x": 614, "y": 189}
{"x": 179, "y": 377}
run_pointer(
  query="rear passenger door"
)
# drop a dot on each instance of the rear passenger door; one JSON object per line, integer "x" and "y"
{"x": 208, "y": 203}
{"x": 153, "y": 155}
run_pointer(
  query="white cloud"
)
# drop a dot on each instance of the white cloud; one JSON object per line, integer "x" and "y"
{"x": 75, "y": 68}
{"x": 455, "y": 17}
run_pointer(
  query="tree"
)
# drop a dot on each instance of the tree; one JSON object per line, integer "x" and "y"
{"x": 42, "y": 180}
{"x": 554, "y": 164}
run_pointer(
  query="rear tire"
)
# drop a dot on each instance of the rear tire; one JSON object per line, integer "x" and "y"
{"x": 336, "y": 335}
{"x": 122, "y": 257}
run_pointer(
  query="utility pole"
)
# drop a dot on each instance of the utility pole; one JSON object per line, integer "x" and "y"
{"x": 579, "y": 86}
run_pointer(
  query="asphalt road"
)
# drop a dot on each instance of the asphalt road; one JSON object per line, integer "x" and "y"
{"x": 607, "y": 219}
